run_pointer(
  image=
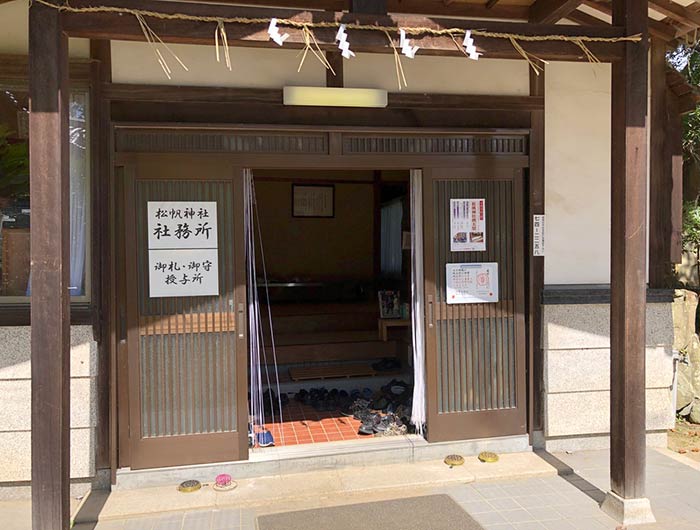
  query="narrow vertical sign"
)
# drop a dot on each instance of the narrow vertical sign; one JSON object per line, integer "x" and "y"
{"x": 183, "y": 255}
{"x": 538, "y": 235}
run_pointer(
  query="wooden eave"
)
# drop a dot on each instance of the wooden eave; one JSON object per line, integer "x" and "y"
{"x": 668, "y": 19}
{"x": 688, "y": 95}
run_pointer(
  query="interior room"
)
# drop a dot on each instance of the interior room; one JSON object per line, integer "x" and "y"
{"x": 333, "y": 262}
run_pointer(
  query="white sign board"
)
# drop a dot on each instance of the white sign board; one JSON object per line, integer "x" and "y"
{"x": 183, "y": 255}
{"x": 467, "y": 225}
{"x": 182, "y": 224}
{"x": 184, "y": 272}
{"x": 472, "y": 283}
{"x": 538, "y": 235}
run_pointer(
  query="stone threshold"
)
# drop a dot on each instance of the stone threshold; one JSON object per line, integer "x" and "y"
{"x": 323, "y": 456}
{"x": 332, "y": 481}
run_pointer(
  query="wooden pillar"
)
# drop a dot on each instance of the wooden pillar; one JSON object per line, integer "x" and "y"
{"x": 536, "y": 263}
{"x": 50, "y": 262}
{"x": 628, "y": 263}
{"x": 659, "y": 170}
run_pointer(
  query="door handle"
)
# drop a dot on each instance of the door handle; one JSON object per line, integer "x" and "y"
{"x": 241, "y": 321}
{"x": 431, "y": 311}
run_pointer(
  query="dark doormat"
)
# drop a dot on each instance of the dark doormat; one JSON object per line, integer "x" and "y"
{"x": 432, "y": 512}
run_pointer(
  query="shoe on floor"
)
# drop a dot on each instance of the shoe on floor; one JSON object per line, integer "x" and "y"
{"x": 265, "y": 439}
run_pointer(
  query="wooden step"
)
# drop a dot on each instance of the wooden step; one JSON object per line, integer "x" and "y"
{"x": 322, "y": 323}
{"x": 326, "y": 337}
{"x": 335, "y": 371}
{"x": 333, "y": 352}
{"x": 303, "y": 318}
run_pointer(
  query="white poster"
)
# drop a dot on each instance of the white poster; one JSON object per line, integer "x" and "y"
{"x": 472, "y": 283}
{"x": 467, "y": 225}
{"x": 538, "y": 235}
{"x": 182, "y": 224}
{"x": 183, "y": 255}
{"x": 184, "y": 272}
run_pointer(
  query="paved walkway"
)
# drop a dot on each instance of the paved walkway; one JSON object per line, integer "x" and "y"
{"x": 565, "y": 501}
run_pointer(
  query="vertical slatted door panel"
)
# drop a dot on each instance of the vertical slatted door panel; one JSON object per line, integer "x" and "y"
{"x": 187, "y": 345}
{"x": 475, "y": 351}
{"x": 186, "y": 383}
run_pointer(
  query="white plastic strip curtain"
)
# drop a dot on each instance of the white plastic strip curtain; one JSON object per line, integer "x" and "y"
{"x": 391, "y": 254}
{"x": 418, "y": 414}
{"x": 260, "y": 376}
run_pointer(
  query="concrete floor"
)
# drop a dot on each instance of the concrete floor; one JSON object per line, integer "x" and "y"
{"x": 562, "y": 491}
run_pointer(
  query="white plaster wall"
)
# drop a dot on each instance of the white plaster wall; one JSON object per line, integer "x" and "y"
{"x": 14, "y": 21}
{"x": 577, "y": 173}
{"x": 135, "y": 62}
{"x": 441, "y": 75}
{"x": 15, "y": 413}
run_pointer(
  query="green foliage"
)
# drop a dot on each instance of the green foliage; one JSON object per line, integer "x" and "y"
{"x": 14, "y": 166}
{"x": 691, "y": 225}
{"x": 691, "y": 136}
{"x": 687, "y": 61}
{"x": 691, "y": 230}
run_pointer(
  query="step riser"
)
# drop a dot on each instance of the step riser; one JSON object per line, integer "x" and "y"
{"x": 350, "y": 351}
{"x": 321, "y": 323}
{"x": 401, "y": 450}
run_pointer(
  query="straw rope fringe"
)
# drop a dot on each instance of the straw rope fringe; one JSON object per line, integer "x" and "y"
{"x": 311, "y": 44}
{"x": 320, "y": 25}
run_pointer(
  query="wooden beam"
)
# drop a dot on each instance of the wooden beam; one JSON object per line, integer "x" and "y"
{"x": 676, "y": 12}
{"x": 443, "y": 8}
{"x": 123, "y": 27}
{"x": 628, "y": 258}
{"x": 657, "y": 28}
{"x": 552, "y": 11}
{"x": 270, "y": 97}
{"x": 371, "y": 7}
{"x": 50, "y": 264}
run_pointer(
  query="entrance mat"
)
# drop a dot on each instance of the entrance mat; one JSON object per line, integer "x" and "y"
{"x": 431, "y": 512}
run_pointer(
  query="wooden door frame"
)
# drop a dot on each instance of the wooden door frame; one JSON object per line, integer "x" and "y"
{"x": 513, "y": 424}
{"x": 336, "y": 160}
{"x": 219, "y": 446}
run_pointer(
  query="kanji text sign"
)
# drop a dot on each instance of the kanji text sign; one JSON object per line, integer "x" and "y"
{"x": 183, "y": 255}
{"x": 182, "y": 224}
{"x": 471, "y": 283}
{"x": 188, "y": 272}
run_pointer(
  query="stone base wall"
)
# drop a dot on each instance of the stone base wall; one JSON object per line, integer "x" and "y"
{"x": 15, "y": 413}
{"x": 576, "y": 346}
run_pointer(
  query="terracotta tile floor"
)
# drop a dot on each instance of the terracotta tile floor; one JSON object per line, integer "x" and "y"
{"x": 302, "y": 424}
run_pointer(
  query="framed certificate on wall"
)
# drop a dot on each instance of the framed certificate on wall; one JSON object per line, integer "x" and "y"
{"x": 310, "y": 200}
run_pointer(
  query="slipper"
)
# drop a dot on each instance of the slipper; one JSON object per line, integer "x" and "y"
{"x": 265, "y": 439}
{"x": 368, "y": 424}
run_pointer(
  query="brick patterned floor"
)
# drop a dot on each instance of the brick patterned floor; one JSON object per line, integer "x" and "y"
{"x": 302, "y": 424}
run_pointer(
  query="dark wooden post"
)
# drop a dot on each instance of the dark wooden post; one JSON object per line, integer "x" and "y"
{"x": 50, "y": 262}
{"x": 660, "y": 165}
{"x": 628, "y": 269}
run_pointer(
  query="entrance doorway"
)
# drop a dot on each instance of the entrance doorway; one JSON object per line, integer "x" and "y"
{"x": 333, "y": 268}
{"x": 176, "y": 404}
{"x": 186, "y": 346}
{"x": 475, "y": 352}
